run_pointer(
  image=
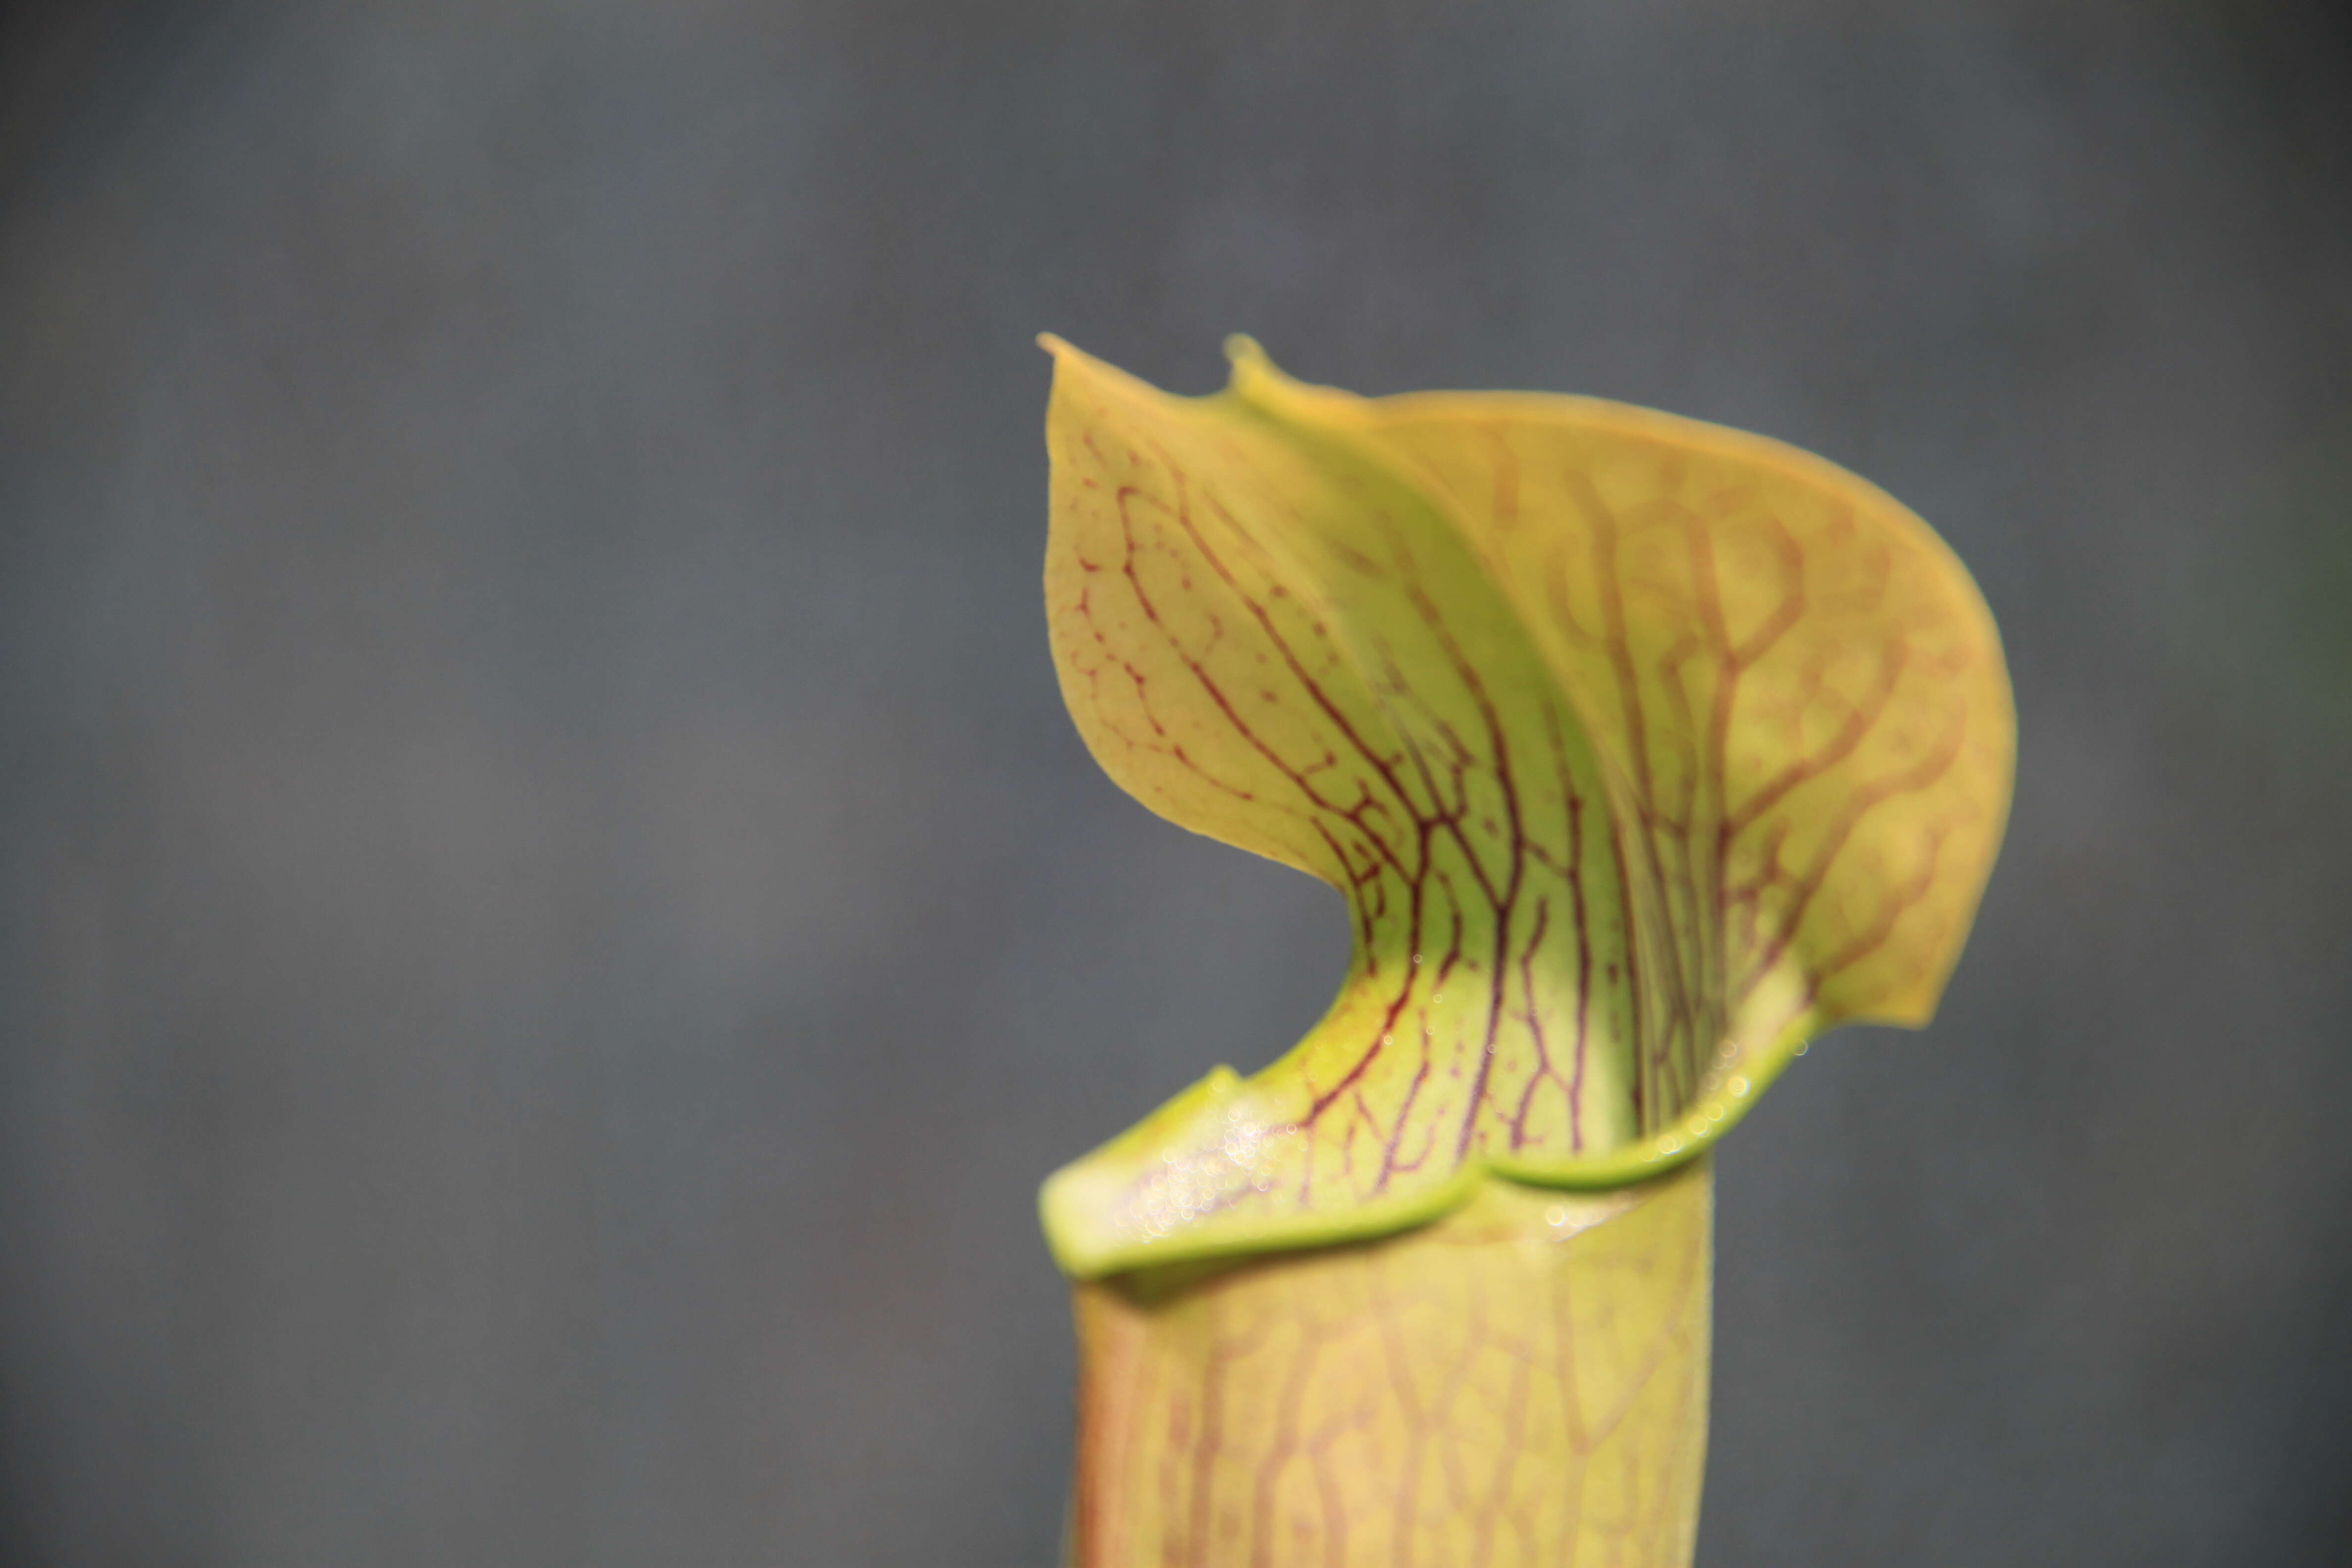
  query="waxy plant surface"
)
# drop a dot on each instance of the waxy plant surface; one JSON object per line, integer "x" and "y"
{"x": 1641, "y": 751}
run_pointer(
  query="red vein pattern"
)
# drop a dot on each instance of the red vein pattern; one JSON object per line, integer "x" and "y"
{"x": 1638, "y": 749}
{"x": 1522, "y": 1382}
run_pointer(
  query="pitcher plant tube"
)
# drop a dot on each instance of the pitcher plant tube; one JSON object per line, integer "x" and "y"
{"x": 1642, "y": 750}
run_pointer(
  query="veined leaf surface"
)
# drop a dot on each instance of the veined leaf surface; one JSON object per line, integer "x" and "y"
{"x": 1642, "y": 750}
{"x": 1522, "y": 1381}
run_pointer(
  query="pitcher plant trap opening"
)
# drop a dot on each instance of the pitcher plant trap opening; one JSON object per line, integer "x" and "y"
{"x": 1642, "y": 750}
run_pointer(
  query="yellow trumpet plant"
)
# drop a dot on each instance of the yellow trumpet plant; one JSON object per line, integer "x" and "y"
{"x": 1642, "y": 750}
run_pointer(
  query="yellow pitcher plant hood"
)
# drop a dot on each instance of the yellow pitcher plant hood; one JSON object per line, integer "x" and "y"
{"x": 1642, "y": 750}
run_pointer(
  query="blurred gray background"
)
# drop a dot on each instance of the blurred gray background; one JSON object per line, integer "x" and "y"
{"x": 551, "y": 918}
